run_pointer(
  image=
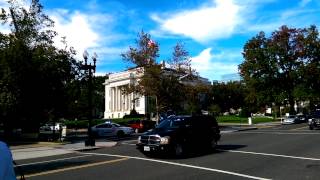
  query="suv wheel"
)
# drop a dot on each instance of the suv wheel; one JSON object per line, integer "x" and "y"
{"x": 178, "y": 149}
{"x": 213, "y": 144}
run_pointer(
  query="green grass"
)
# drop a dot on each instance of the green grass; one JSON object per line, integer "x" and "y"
{"x": 237, "y": 119}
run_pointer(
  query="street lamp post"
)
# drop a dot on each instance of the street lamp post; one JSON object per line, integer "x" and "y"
{"x": 89, "y": 69}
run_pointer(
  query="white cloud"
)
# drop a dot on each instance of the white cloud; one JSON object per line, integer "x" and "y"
{"x": 203, "y": 24}
{"x": 92, "y": 32}
{"x": 215, "y": 66}
{"x": 77, "y": 30}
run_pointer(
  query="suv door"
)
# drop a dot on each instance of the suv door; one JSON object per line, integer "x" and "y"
{"x": 205, "y": 129}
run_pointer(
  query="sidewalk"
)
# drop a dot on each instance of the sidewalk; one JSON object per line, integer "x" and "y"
{"x": 244, "y": 125}
{"x": 44, "y": 149}
{"x": 234, "y": 127}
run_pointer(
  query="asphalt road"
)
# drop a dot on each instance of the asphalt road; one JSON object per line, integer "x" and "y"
{"x": 278, "y": 152}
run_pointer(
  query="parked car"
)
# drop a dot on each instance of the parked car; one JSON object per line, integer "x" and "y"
{"x": 141, "y": 125}
{"x": 111, "y": 129}
{"x": 179, "y": 134}
{"x": 302, "y": 118}
{"x": 49, "y": 127}
{"x": 314, "y": 120}
{"x": 291, "y": 119}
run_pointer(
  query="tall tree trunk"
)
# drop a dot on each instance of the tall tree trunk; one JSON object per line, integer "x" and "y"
{"x": 291, "y": 102}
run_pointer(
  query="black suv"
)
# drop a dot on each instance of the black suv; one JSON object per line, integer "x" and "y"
{"x": 178, "y": 134}
{"x": 314, "y": 120}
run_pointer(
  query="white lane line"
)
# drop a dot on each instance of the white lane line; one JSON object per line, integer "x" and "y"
{"x": 268, "y": 154}
{"x": 229, "y": 131}
{"x": 182, "y": 165}
{"x": 130, "y": 142}
{"x": 134, "y": 140}
{"x": 62, "y": 159}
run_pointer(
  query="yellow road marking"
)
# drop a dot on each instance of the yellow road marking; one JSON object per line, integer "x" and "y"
{"x": 74, "y": 168}
{"x": 304, "y": 127}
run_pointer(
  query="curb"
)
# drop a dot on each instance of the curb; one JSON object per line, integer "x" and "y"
{"x": 36, "y": 145}
{"x": 232, "y": 129}
{"x": 248, "y": 129}
{"x": 90, "y": 148}
{"x": 87, "y": 149}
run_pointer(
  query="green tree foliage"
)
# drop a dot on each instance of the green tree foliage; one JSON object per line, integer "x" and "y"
{"x": 282, "y": 67}
{"x": 228, "y": 95}
{"x": 77, "y": 98}
{"x": 180, "y": 61}
{"x": 156, "y": 80}
{"x": 34, "y": 74}
{"x": 145, "y": 53}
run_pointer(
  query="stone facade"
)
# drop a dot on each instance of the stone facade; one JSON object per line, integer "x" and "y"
{"x": 118, "y": 104}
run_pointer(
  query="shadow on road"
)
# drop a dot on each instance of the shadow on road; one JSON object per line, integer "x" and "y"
{"x": 230, "y": 147}
{"x": 36, "y": 168}
{"x": 193, "y": 153}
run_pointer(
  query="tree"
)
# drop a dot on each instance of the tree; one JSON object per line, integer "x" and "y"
{"x": 180, "y": 61}
{"x": 145, "y": 53}
{"x": 77, "y": 98}
{"x": 278, "y": 68}
{"x": 310, "y": 74}
{"x": 156, "y": 80}
{"x": 34, "y": 73}
{"x": 228, "y": 95}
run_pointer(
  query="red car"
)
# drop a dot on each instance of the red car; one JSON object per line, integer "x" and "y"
{"x": 141, "y": 125}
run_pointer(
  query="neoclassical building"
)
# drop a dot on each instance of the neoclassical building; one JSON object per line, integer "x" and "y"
{"x": 118, "y": 104}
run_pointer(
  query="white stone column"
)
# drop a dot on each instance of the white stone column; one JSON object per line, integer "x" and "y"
{"x": 107, "y": 100}
{"x": 111, "y": 99}
{"x": 127, "y": 102}
{"x": 121, "y": 100}
{"x": 116, "y": 99}
{"x": 129, "y": 98}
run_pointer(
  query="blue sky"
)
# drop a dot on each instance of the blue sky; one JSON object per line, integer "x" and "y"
{"x": 214, "y": 31}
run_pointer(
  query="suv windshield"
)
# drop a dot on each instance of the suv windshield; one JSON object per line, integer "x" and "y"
{"x": 174, "y": 122}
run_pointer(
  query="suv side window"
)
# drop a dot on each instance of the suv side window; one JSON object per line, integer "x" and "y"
{"x": 179, "y": 122}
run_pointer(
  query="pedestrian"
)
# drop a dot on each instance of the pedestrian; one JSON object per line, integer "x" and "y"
{"x": 6, "y": 163}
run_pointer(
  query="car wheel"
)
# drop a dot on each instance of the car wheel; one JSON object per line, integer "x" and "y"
{"x": 120, "y": 134}
{"x": 178, "y": 150}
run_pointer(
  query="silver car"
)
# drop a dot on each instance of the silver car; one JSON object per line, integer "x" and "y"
{"x": 291, "y": 119}
{"x": 111, "y": 129}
